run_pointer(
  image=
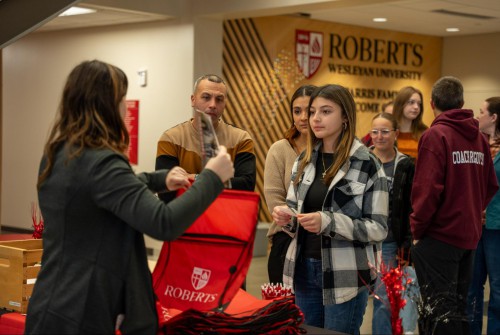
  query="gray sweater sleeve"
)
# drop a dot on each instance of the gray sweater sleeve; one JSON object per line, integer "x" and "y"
{"x": 117, "y": 189}
{"x": 155, "y": 181}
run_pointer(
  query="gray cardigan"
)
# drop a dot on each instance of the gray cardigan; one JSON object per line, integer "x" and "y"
{"x": 94, "y": 265}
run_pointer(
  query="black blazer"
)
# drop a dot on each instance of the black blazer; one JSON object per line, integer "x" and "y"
{"x": 94, "y": 264}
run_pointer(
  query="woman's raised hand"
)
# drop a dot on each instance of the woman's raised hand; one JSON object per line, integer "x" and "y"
{"x": 221, "y": 165}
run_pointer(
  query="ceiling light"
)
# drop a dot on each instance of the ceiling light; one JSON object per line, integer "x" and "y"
{"x": 379, "y": 19}
{"x": 452, "y": 30}
{"x": 77, "y": 11}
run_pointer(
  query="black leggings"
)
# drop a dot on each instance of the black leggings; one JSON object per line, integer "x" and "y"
{"x": 276, "y": 261}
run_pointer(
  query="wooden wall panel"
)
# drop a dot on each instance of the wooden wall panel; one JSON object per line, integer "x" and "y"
{"x": 1, "y": 135}
{"x": 257, "y": 100}
{"x": 262, "y": 72}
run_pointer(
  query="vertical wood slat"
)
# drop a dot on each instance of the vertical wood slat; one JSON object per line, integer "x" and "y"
{"x": 258, "y": 102}
{"x": 1, "y": 127}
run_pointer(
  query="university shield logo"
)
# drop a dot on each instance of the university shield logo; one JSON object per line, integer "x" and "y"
{"x": 308, "y": 51}
{"x": 199, "y": 278}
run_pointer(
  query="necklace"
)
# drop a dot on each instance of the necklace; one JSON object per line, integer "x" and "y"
{"x": 325, "y": 170}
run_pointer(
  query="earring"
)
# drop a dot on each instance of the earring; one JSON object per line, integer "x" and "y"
{"x": 345, "y": 125}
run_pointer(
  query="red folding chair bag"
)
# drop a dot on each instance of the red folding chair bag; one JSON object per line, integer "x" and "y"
{"x": 205, "y": 267}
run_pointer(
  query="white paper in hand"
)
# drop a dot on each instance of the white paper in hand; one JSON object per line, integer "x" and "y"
{"x": 208, "y": 139}
{"x": 289, "y": 211}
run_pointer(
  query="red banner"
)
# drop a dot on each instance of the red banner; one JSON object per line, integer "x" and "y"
{"x": 132, "y": 124}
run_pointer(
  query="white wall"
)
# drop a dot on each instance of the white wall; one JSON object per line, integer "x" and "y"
{"x": 475, "y": 61}
{"x": 35, "y": 69}
{"x": 174, "y": 53}
{"x": 207, "y": 46}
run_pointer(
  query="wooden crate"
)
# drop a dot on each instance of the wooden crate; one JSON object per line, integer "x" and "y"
{"x": 19, "y": 267}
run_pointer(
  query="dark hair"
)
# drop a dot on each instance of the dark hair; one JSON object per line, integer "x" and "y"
{"x": 402, "y": 98}
{"x": 302, "y": 91}
{"x": 342, "y": 97}
{"x": 447, "y": 93}
{"x": 494, "y": 108}
{"x": 210, "y": 77}
{"x": 89, "y": 113}
{"x": 389, "y": 117}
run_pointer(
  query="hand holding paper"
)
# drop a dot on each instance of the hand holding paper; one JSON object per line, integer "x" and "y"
{"x": 282, "y": 215}
{"x": 288, "y": 210}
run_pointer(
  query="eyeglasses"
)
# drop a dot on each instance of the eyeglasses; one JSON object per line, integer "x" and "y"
{"x": 383, "y": 132}
{"x": 413, "y": 102}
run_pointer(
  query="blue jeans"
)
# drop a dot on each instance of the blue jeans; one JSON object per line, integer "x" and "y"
{"x": 486, "y": 264}
{"x": 381, "y": 321}
{"x": 346, "y": 317}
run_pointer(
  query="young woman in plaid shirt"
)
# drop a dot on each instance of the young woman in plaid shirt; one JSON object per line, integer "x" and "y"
{"x": 339, "y": 191}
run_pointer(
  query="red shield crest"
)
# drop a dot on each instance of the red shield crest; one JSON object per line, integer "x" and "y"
{"x": 199, "y": 278}
{"x": 308, "y": 51}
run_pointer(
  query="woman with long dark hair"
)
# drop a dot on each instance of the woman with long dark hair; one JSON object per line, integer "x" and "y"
{"x": 277, "y": 173}
{"x": 95, "y": 276}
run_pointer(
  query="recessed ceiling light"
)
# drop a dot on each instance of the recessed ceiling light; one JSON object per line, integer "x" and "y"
{"x": 379, "y": 19}
{"x": 452, "y": 30}
{"x": 77, "y": 11}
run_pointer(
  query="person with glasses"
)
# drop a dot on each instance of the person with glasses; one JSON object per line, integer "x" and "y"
{"x": 339, "y": 191}
{"x": 386, "y": 108}
{"x": 399, "y": 169}
{"x": 408, "y": 111}
{"x": 277, "y": 173}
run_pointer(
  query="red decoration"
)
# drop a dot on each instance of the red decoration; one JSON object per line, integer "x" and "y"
{"x": 396, "y": 282}
{"x": 393, "y": 280}
{"x": 271, "y": 291}
{"x": 36, "y": 217}
{"x": 132, "y": 124}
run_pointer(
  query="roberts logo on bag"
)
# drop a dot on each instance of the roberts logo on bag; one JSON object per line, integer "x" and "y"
{"x": 199, "y": 278}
